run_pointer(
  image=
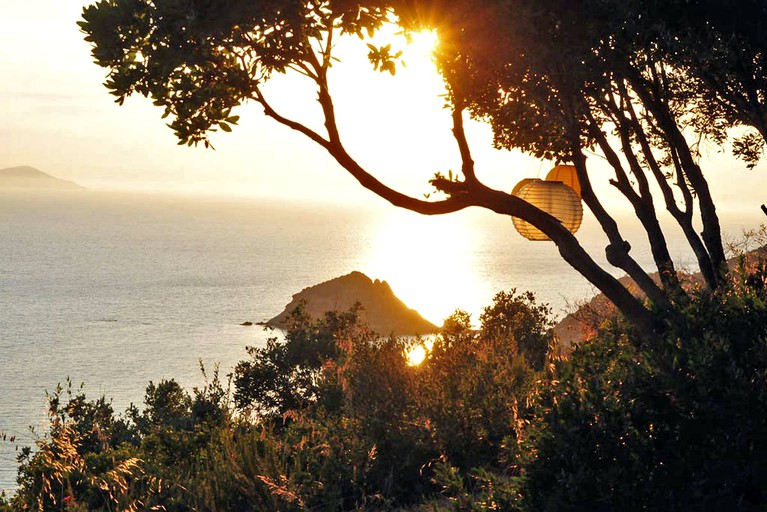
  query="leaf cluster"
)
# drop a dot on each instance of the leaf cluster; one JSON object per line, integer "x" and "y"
{"x": 198, "y": 60}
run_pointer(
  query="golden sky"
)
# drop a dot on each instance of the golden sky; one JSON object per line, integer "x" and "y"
{"x": 57, "y": 116}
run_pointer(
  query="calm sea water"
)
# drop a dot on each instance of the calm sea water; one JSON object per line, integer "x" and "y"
{"x": 117, "y": 290}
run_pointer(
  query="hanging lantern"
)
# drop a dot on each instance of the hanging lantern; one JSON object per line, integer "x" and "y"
{"x": 567, "y": 175}
{"x": 521, "y": 184}
{"x": 554, "y": 198}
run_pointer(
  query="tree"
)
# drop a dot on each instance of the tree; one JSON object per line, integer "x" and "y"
{"x": 521, "y": 320}
{"x": 286, "y": 376}
{"x": 553, "y": 78}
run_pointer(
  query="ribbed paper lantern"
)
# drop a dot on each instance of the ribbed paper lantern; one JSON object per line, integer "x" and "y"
{"x": 567, "y": 175}
{"x": 521, "y": 184}
{"x": 554, "y": 198}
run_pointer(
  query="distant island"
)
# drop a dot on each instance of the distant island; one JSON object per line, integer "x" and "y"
{"x": 29, "y": 178}
{"x": 382, "y": 310}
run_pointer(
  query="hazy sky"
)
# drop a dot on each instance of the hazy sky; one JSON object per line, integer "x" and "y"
{"x": 57, "y": 116}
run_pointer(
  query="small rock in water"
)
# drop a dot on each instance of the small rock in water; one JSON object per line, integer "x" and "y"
{"x": 247, "y": 323}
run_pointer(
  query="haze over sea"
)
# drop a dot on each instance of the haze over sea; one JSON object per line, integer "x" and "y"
{"x": 115, "y": 290}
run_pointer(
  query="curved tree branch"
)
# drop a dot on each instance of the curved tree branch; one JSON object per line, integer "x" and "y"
{"x": 294, "y": 125}
{"x": 367, "y": 180}
{"x": 467, "y": 163}
{"x": 473, "y": 193}
{"x": 570, "y": 250}
{"x": 454, "y": 203}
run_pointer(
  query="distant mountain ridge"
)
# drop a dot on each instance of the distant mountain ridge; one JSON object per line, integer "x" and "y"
{"x": 382, "y": 310}
{"x": 29, "y": 178}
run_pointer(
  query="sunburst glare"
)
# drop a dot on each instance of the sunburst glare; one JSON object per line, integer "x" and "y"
{"x": 422, "y": 43}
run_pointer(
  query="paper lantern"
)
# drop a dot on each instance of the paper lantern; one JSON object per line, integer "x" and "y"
{"x": 554, "y": 198}
{"x": 521, "y": 184}
{"x": 567, "y": 175}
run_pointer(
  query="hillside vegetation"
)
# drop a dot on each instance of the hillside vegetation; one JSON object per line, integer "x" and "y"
{"x": 337, "y": 418}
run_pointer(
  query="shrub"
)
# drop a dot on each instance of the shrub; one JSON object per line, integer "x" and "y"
{"x": 677, "y": 423}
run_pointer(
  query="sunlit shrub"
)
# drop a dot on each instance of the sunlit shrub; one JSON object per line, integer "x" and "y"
{"x": 332, "y": 418}
{"x": 87, "y": 460}
{"x": 472, "y": 389}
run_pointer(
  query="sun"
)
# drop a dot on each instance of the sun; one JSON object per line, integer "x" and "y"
{"x": 422, "y": 43}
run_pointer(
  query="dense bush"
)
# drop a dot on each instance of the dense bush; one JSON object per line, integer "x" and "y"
{"x": 472, "y": 391}
{"x": 333, "y": 417}
{"x": 677, "y": 423}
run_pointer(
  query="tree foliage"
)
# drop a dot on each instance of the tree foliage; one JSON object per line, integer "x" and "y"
{"x": 90, "y": 459}
{"x": 285, "y": 375}
{"x": 677, "y": 423}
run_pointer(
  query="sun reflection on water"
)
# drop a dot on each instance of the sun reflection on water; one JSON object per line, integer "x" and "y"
{"x": 429, "y": 262}
{"x": 417, "y": 353}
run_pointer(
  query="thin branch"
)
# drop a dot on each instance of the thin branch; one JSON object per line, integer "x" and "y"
{"x": 324, "y": 98}
{"x": 618, "y": 251}
{"x": 712, "y": 236}
{"x": 326, "y": 52}
{"x": 623, "y": 184}
{"x": 681, "y": 183}
{"x": 623, "y": 126}
{"x": 652, "y": 162}
{"x": 302, "y": 69}
{"x": 295, "y": 125}
{"x": 319, "y": 69}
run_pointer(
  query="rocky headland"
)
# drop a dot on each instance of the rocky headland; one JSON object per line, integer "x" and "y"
{"x": 381, "y": 309}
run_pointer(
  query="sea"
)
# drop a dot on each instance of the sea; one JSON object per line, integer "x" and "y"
{"x": 113, "y": 290}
